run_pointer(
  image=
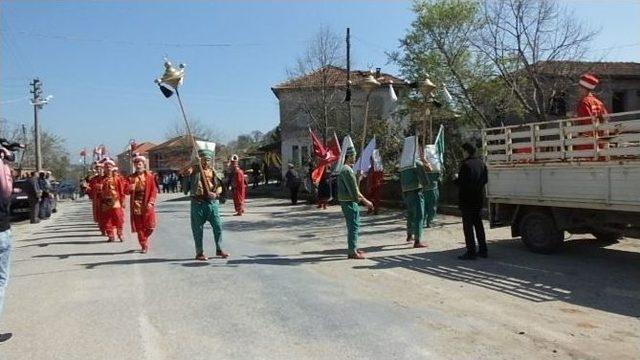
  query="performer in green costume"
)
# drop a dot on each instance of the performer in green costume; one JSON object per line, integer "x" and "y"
{"x": 413, "y": 179}
{"x": 431, "y": 194}
{"x": 204, "y": 188}
{"x": 349, "y": 196}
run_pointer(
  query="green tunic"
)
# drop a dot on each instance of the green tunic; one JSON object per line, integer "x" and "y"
{"x": 413, "y": 180}
{"x": 431, "y": 195}
{"x": 203, "y": 210}
{"x": 348, "y": 198}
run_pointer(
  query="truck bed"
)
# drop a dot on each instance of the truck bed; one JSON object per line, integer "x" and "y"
{"x": 602, "y": 186}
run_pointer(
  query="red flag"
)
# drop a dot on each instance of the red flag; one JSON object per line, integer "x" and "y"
{"x": 334, "y": 147}
{"x": 83, "y": 152}
{"x": 318, "y": 149}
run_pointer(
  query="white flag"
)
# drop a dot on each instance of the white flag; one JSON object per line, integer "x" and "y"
{"x": 346, "y": 143}
{"x": 392, "y": 94}
{"x": 364, "y": 162}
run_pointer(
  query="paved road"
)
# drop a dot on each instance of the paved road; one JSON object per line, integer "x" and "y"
{"x": 288, "y": 292}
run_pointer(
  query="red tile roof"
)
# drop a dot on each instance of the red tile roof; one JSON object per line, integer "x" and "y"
{"x": 600, "y": 69}
{"x": 337, "y": 77}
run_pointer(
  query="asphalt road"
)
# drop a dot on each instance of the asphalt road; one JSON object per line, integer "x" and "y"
{"x": 288, "y": 292}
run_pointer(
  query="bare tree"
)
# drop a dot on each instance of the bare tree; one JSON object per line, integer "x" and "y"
{"x": 528, "y": 43}
{"x": 199, "y": 129}
{"x": 320, "y": 98}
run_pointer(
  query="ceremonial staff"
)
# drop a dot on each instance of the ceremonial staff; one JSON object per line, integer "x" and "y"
{"x": 169, "y": 83}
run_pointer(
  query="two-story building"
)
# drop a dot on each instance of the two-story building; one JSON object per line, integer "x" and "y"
{"x": 302, "y": 101}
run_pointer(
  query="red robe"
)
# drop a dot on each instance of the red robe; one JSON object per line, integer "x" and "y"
{"x": 143, "y": 224}
{"x": 239, "y": 190}
{"x": 589, "y": 105}
{"x": 374, "y": 182}
{"x": 112, "y": 214}
{"x": 94, "y": 192}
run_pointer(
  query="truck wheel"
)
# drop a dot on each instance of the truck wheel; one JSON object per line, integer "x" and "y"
{"x": 607, "y": 237}
{"x": 539, "y": 233}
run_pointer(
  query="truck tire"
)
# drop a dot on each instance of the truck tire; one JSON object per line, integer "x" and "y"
{"x": 539, "y": 233}
{"x": 607, "y": 237}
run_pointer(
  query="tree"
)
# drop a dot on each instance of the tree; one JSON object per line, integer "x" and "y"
{"x": 199, "y": 129}
{"x": 528, "y": 42}
{"x": 55, "y": 157}
{"x": 321, "y": 99}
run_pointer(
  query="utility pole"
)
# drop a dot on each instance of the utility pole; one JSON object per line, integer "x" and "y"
{"x": 349, "y": 78}
{"x": 36, "y": 90}
{"x": 38, "y": 103}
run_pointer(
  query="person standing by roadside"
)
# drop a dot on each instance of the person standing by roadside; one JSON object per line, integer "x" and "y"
{"x": 34, "y": 193}
{"x": 471, "y": 180}
{"x": 6, "y": 188}
{"x": 292, "y": 180}
{"x": 45, "y": 199}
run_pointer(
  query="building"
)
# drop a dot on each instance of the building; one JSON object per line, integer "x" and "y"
{"x": 124, "y": 158}
{"x": 171, "y": 155}
{"x": 301, "y": 102}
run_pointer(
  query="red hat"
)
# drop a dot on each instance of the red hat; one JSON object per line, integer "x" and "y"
{"x": 589, "y": 81}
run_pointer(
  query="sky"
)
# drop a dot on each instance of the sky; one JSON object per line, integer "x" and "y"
{"x": 99, "y": 59}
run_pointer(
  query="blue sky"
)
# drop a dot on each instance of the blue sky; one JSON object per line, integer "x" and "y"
{"x": 99, "y": 59}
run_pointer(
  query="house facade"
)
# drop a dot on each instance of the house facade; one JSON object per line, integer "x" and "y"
{"x": 297, "y": 96}
{"x": 124, "y": 159}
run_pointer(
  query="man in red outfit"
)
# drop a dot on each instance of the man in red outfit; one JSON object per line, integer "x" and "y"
{"x": 238, "y": 185}
{"x": 143, "y": 192}
{"x": 123, "y": 191}
{"x": 589, "y": 106}
{"x": 94, "y": 191}
{"x": 111, "y": 195}
{"x": 374, "y": 181}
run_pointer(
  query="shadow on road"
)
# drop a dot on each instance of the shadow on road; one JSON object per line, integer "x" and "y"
{"x": 66, "y": 256}
{"x": 132, "y": 262}
{"x": 64, "y": 243}
{"x": 583, "y": 274}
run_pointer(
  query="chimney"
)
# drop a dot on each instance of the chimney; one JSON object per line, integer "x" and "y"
{"x": 377, "y": 72}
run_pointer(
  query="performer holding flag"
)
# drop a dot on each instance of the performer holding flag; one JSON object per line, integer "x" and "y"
{"x": 412, "y": 180}
{"x": 349, "y": 196}
{"x": 238, "y": 186}
{"x": 143, "y": 191}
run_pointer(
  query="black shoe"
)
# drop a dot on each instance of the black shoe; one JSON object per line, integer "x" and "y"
{"x": 4, "y": 337}
{"x": 483, "y": 254}
{"x": 467, "y": 256}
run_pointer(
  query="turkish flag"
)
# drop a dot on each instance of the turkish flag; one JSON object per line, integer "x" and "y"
{"x": 326, "y": 154}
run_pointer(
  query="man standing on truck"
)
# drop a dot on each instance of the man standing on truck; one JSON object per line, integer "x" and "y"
{"x": 471, "y": 181}
{"x": 588, "y": 106}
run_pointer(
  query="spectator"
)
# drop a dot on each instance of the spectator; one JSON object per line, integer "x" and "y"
{"x": 471, "y": 181}
{"x": 255, "y": 172}
{"x": 6, "y": 188}
{"x": 44, "y": 183}
{"x": 292, "y": 181}
{"x": 34, "y": 193}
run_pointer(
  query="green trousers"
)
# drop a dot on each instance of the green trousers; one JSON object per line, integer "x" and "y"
{"x": 351, "y": 212}
{"x": 430, "y": 205}
{"x": 201, "y": 212}
{"x": 414, "y": 201}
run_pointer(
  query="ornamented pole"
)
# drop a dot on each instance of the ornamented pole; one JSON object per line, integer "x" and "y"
{"x": 169, "y": 82}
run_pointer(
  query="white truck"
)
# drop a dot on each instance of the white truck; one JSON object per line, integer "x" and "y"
{"x": 549, "y": 177}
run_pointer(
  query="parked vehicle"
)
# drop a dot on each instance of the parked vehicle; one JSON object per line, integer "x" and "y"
{"x": 550, "y": 177}
{"x": 20, "y": 206}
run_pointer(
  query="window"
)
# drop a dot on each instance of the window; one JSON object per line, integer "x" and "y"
{"x": 305, "y": 153}
{"x": 295, "y": 154}
{"x": 618, "y": 101}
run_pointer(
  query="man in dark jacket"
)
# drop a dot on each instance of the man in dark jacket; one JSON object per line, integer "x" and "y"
{"x": 292, "y": 181}
{"x": 471, "y": 181}
{"x": 34, "y": 193}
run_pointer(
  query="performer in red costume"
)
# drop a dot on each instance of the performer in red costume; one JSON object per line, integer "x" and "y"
{"x": 143, "y": 191}
{"x": 123, "y": 191}
{"x": 374, "y": 181}
{"x": 94, "y": 190}
{"x": 238, "y": 185}
{"x": 113, "y": 190}
{"x": 589, "y": 106}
